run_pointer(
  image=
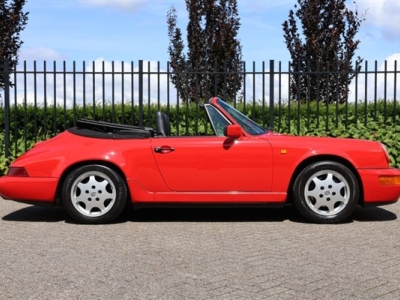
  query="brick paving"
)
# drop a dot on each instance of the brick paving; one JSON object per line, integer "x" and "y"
{"x": 198, "y": 254}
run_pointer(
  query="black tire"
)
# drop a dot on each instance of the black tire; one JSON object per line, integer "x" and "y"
{"x": 326, "y": 192}
{"x": 94, "y": 194}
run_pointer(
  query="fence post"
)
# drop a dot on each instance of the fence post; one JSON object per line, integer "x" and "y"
{"x": 271, "y": 95}
{"x": 140, "y": 92}
{"x": 6, "y": 76}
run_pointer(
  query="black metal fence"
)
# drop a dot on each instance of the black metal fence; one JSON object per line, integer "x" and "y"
{"x": 58, "y": 87}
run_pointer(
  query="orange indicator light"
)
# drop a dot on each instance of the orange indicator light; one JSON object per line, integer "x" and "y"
{"x": 389, "y": 180}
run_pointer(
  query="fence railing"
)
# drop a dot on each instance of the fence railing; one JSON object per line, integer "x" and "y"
{"x": 131, "y": 89}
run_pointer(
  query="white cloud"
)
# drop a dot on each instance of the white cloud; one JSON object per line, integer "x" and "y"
{"x": 382, "y": 14}
{"x": 92, "y": 82}
{"x": 386, "y": 87}
{"x": 122, "y": 5}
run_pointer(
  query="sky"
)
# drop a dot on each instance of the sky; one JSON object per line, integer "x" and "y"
{"x": 132, "y": 30}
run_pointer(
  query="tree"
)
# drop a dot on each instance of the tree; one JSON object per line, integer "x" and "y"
{"x": 212, "y": 65}
{"x": 12, "y": 21}
{"x": 321, "y": 65}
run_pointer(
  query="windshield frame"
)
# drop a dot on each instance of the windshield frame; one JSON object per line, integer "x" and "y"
{"x": 239, "y": 118}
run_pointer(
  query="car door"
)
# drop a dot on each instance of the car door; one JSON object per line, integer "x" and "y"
{"x": 214, "y": 163}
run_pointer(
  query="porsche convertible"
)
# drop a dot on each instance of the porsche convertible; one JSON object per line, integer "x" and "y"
{"x": 95, "y": 169}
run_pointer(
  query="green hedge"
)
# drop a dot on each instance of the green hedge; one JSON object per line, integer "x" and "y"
{"x": 376, "y": 121}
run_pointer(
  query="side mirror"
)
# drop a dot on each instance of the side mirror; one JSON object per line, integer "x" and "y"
{"x": 233, "y": 131}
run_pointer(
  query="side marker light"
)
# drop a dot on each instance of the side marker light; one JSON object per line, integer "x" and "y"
{"x": 389, "y": 180}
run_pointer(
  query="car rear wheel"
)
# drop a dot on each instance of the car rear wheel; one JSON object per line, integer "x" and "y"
{"x": 94, "y": 194}
{"x": 326, "y": 192}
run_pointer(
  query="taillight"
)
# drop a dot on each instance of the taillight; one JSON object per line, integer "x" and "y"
{"x": 17, "y": 172}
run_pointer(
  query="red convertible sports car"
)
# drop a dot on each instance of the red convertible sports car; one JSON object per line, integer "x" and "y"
{"x": 95, "y": 169}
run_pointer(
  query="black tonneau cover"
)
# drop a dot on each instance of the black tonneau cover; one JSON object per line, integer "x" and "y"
{"x": 107, "y": 130}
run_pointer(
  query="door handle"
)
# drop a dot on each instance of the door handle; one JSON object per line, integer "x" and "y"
{"x": 163, "y": 149}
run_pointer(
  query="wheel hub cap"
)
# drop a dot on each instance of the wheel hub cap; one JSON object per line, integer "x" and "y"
{"x": 327, "y": 192}
{"x": 93, "y": 194}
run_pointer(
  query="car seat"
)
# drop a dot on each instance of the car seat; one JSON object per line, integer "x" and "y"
{"x": 163, "y": 127}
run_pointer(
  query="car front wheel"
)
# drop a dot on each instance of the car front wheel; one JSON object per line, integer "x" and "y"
{"x": 94, "y": 194}
{"x": 326, "y": 192}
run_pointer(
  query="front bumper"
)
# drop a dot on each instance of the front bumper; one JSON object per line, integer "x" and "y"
{"x": 376, "y": 193}
{"x": 28, "y": 189}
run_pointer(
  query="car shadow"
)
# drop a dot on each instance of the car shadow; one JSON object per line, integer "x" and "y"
{"x": 287, "y": 213}
{"x": 373, "y": 214}
{"x": 226, "y": 214}
{"x": 38, "y": 214}
{"x": 214, "y": 214}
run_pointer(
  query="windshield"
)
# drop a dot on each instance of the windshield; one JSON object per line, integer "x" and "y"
{"x": 247, "y": 124}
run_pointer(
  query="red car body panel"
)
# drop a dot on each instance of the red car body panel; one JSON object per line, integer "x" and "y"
{"x": 215, "y": 164}
{"x": 200, "y": 169}
{"x": 374, "y": 193}
{"x": 40, "y": 189}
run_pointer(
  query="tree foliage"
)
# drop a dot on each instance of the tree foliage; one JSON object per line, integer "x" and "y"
{"x": 327, "y": 46}
{"x": 12, "y": 21}
{"x": 212, "y": 65}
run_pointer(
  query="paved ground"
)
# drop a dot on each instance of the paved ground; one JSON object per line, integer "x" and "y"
{"x": 198, "y": 254}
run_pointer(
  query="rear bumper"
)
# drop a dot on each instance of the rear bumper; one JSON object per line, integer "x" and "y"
{"x": 374, "y": 192}
{"x": 28, "y": 189}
